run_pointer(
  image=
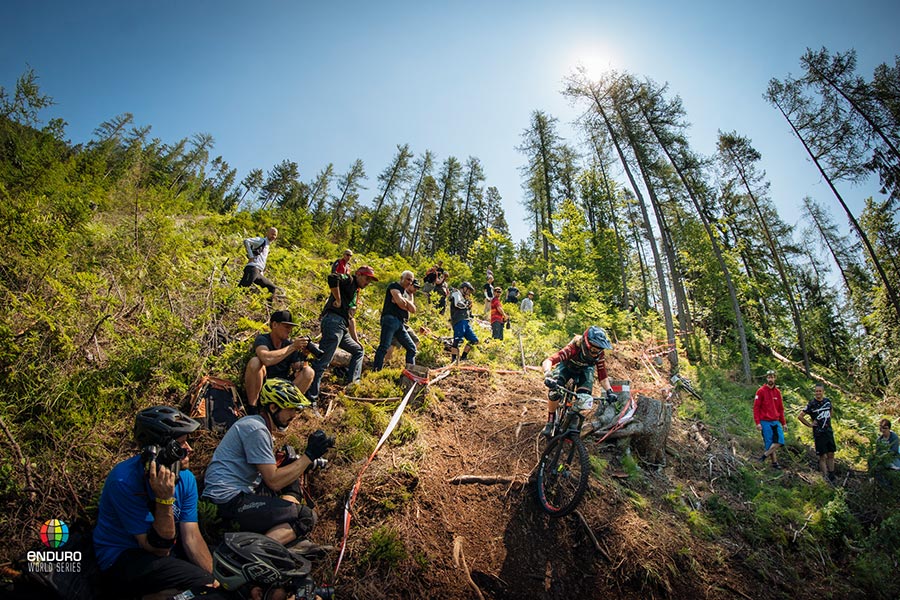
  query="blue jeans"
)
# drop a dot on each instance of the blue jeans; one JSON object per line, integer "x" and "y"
{"x": 391, "y": 326}
{"x": 335, "y": 332}
{"x": 463, "y": 331}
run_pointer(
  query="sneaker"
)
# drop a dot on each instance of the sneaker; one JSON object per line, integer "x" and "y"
{"x": 762, "y": 458}
{"x": 548, "y": 429}
{"x": 832, "y": 478}
{"x": 777, "y": 466}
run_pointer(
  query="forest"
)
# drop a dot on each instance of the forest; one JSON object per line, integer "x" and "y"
{"x": 122, "y": 253}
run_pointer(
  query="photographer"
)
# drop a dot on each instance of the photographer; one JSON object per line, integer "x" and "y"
{"x": 244, "y": 480}
{"x": 147, "y": 539}
{"x": 257, "y": 250}
{"x": 276, "y": 355}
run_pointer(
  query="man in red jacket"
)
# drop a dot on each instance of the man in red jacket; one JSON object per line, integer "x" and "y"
{"x": 768, "y": 412}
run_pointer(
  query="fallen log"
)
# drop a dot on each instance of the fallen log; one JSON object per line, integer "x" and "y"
{"x": 483, "y": 479}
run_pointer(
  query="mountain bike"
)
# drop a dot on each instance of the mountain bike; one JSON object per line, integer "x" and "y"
{"x": 564, "y": 468}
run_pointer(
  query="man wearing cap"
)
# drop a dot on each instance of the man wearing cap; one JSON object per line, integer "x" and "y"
{"x": 498, "y": 315}
{"x": 394, "y": 315}
{"x": 257, "y": 249}
{"x": 768, "y": 412}
{"x": 342, "y": 265}
{"x": 338, "y": 324}
{"x": 409, "y": 293}
{"x": 528, "y": 303}
{"x": 276, "y": 355}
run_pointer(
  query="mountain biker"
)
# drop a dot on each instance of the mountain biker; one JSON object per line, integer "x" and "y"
{"x": 243, "y": 479}
{"x": 147, "y": 539}
{"x": 460, "y": 314}
{"x": 252, "y": 566}
{"x": 579, "y": 360}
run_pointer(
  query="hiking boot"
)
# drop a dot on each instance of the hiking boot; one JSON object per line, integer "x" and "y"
{"x": 548, "y": 429}
{"x": 310, "y": 550}
{"x": 762, "y": 458}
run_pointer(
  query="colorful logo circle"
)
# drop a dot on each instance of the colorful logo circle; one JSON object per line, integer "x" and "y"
{"x": 54, "y": 533}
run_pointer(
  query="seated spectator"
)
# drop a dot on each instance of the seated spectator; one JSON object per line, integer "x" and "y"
{"x": 276, "y": 355}
{"x": 889, "y": 443}
{"x": 243, "y": 479}
{"x": 147, "y": 539}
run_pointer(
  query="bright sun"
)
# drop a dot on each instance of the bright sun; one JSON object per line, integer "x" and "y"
{"x": 595, "y": 57}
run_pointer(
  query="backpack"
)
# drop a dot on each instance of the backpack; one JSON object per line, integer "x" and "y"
{"x": 216, "y": 403}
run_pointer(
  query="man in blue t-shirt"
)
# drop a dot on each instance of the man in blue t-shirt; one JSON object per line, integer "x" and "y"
{"x": 245, "y": 481}
{"x": 147, "y": 539}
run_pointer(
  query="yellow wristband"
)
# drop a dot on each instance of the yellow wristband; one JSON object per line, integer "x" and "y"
{"x": 167, "y": 501}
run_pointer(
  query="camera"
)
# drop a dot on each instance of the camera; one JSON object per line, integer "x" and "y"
{"x": 313, "y": 349}
{"x": 169, "y": 455}
{"x": 305, "y": 588}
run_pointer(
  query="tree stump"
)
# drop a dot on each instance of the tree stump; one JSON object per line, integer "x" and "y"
{"x": 648, "y": 431}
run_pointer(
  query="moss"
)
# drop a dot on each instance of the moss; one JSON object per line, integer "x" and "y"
{"x": 386, "y": 550}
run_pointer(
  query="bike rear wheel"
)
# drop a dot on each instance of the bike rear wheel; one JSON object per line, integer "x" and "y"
{"x": 562, "y": 476}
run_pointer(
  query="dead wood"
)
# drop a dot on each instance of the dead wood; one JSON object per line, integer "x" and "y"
{"x": 459, "y": 559}
{"x": 483, "y": 479}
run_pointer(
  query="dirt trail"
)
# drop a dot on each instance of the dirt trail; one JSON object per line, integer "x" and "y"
{"x": 488, "y": 425}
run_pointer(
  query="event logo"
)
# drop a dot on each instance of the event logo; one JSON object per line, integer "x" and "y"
{"x": 54, "y": 533}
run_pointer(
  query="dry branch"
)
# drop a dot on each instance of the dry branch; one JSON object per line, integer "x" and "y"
{"x": 459, "y": 559}
{"x": 29, "y": 483}
{"x": 483, "y": 479}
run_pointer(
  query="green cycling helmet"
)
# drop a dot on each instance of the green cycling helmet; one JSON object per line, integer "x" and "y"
{"x": 283, "y": 394}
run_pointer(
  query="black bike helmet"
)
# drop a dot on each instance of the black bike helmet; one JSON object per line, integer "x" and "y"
{"x": 160, "y": 424}
{"x": 246, "y": 557}
{"x": 282, "y": 393}
{"x": 596, "y": 337}
{"x": 466, "y": 284}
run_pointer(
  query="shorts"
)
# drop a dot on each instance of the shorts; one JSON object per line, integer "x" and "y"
{"x": 583, "y": 378}
{"x": 262, "y": 511}
{"x": 772, "y": 433}
{"x": 824, "y": 442}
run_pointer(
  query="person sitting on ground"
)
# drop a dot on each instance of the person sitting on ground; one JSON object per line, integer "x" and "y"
{"x": 768, "y": 412}
{"x": 394, "y": 315}
{"x": 342, "y": 265}
{"x": 579, "y": 361}
{"x": 243, "y": 479}
{"x": 257, "y": 249}
{"x": 512, "y": 293}
{"x": 527, "y": 305}
{"x": 488, "y": 294}
{"x": 889, "y": 442}
{"x": 338, "y": 325}
{"x": 819, "y": 408}
{"x": 498, "y": 315}
{"x": 147, "y": 539}
{"x": 460, "y": 315}
{"x": 276, "y": 355}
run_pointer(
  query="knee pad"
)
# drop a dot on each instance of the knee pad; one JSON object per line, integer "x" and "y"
{"x": 304, "y": 522}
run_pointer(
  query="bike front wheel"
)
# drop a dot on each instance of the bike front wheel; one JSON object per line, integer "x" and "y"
{"x": 562, "y": 477}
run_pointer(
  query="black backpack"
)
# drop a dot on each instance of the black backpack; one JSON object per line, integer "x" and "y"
{"x": 216, "y": 403}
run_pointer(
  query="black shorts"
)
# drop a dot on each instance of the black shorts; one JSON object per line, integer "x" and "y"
{"x": 142, "y": 573}
{"x": 824, "y": 442}
{"x": 264, "y": 510}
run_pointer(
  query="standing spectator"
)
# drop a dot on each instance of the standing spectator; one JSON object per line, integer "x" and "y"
{"x": 889, "y": 442}
{"x": 147, "y": 539}
{"x": 460, "y": 315}
{"x": 498, "y": 315}
{"x": 768, "y": 412}
{"x": 342, "y": 265}
{"x": 528, "y": 303}
{"x": 276, "y": 355}
{"x": 488, "y": 294}
{"x": 258, "y": 252}
{"x": 431, "y": 276}
{"x": 245, "y": 481}
{"x": 443, "y": 290}
{"x": 410, "y": 293}
{"x": 512, "y": 294}
{"x": 338, "y": 324}
{"x": 394, "y": 315}
{"x": 819, "y": 408}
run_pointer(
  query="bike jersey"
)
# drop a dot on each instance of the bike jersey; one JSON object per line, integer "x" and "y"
{"x": 574, "y": 358}
{"x": 821, "y": 414}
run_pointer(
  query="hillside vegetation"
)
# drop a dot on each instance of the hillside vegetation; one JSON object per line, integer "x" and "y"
{"x": 119, "y": 288}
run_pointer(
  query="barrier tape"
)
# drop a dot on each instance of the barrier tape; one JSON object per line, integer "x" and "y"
{"x": 351, "y": 498}
{"x": 625, "y": 417}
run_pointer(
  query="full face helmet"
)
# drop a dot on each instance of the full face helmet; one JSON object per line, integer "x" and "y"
{"x": 594, "y": 337}
{"x": 255, "y": 559}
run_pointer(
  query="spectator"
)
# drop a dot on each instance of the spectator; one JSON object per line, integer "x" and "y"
{"x": 889, "y": 442}
{"x": 394, "y": 315}
{"x": 431, "y": 277}
{"x": 498, "y": 315}
{"x": 258, "y": 252}
{"x": 460, "y": 315}
{"x": 768, "y": 412}
{"x": 819, "y": 408}
{"x": 488, "y": 293}
{"x": 339, "y": 326}
{"x": 443, "y": 290}
{"x": 147, "y": 539}
{"x": 410, "y": 293}
{"x": 243, "y": 479}
{"x": 528, "y": 303}
{"x": 342, "y": 265}
{"x": 276, "y": 355}
{"x": 512, "y": 294}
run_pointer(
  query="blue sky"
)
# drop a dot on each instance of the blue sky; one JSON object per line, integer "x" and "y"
{"x": 318, "y": 82}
